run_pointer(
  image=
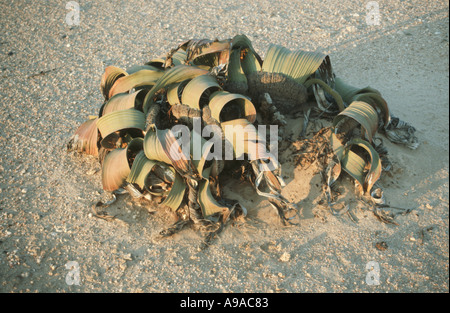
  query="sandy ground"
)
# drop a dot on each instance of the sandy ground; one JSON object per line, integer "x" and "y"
{"x": 49, "y": 83}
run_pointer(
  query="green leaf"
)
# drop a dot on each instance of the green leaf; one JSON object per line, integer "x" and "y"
{"x": 161, "y": 145}
{"x": 179, "y": 57}
{"x": 244, "y": 138}
{"x": 227, "y": 106}
{"x": 173, "y": 150}
{"x": 207, "y": 52}
{"x": 116, "y": 165}
{"x": 250, "y": 62}
{"x": 129, "y": 119}
{"x": 201, "y": 161}
{"x": 236, "y": 79}
{"x": 336, "y": 96}
{"x": 243, "y": 43}
{"x": 176, "y": 194}
{"x": 369, "y": 95}
{"x": 174, "y": 93}
{"x": 197, "y": 89}
{"x": 378, "y": 102}
{"x": 140, "y": 169}
{"x": 121, "y": 101}
{"x": 299, "y": 64}
{"x": 362, "y": 113}
{"x": 153, "y": 148}
{"x": 137, "y": 68}
{"x": 109, "y": 77}
{"x": 348, "y": 92}
{"x": 374, "y": 173}
{"x": 354, "y": 165}
{"x": 157, "y": 63}
{"x": 207, "y": 203}
{"x": 137, "y": 79}
{"x": 176, "y": 74}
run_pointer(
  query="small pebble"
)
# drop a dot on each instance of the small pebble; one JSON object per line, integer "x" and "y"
{"x": 285, "y": 257}
{"x": 381, "y": 245}
{"x": 91, "y": 172}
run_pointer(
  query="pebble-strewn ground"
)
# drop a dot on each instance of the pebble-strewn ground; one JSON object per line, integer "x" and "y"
{"x": 49, "y": 83}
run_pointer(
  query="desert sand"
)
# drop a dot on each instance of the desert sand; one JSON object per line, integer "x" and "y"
{"x": 49, "y": 84}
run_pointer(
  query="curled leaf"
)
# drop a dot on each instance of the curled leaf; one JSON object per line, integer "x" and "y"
{"x": 138, "y": 79}
{"x": 153, "y": 148}
{"x": 375, "y": 169}
{"x": 299, "y": 65}
{"x": 227, "y": 106}
{"x": 174, "y": 92}
{"x": 123, "y": 101}
{"x": 140, "y": 169}
{"x": 85, "y": 139}
{"x": 206, "y": 200}
{"x": 176, "y": 194}
{"x": 236, "y": 80}
{"x": 354, "y": 165}
{"x": 367, "y": 94}
{"x": 176, "y": 74}
{"x": 117, "y": 165}
{"x": 109, "y": 77}
{"x": 197, "y": 92}
{"x": 361, "y": 112}
{"x": 109, "y": 125}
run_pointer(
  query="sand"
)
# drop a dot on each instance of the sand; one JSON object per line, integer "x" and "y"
{"x": 49, "y": 83}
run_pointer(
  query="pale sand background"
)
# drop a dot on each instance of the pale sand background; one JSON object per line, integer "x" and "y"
{"x": 46, "y": 194}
